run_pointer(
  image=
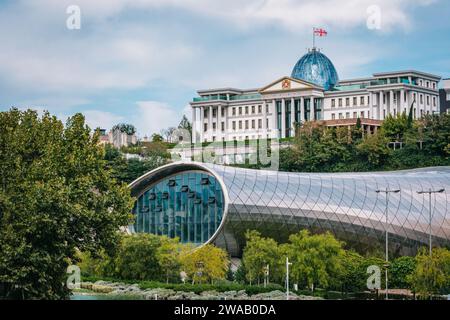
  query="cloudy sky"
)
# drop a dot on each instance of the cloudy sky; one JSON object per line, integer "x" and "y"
{"x": 141, "y": 61}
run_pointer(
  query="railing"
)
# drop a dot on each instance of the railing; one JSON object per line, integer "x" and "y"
{"x": 217, "y": 97}
{"x": 246, "y": 97}
{"x": 211, "y": 98}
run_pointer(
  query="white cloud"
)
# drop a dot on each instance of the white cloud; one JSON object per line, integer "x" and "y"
{"x": 290, "y": 14}
{"x": 153, "y": 116}
{"x": 103, "y": 119}
{"x": 114, "y": 54}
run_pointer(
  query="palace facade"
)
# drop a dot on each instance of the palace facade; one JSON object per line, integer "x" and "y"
{"x": 313, "y": 92}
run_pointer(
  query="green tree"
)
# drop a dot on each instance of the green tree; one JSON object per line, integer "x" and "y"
{"x": 124, "y": 127}
{"x": 137, "y": 258}
{"x": 125, "y": 170}
{"x": 316, "y": 259}
{"x": 258, "y": 253}
{"x": 55, "y": 196}
{"x": 431, "y": 275}
{"x": 157, "y": 137}
{"x": 169, "y": 257}
{"x": 185, "y": 124}
{"x": 205, "y": 264}
{"x": 374, "y": 150}
{"x": 400, "y": 271}
{"x": 353, "y": 276}
{"x": 393, "y": 128}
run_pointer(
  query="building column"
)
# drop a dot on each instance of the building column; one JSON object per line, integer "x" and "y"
{"x": 311, "y": 110}
{"x": 417, "y": 105}
{"x": 391, "y": 102}
{"x": 226, "y": 123}
{"x": 380, "y": 106}
{"x": 302, "y": 108}
{"x": 219, "y": 123}
{"x": 283, "y": 119}
{"x": 210, "y": 121}
{"x": 275, "y": 118}
{"x": 202, "y": 123}
{"x": 194, "y": 125}
{"x": 401, "y": 101}
{"x": 292, "y": 117}
{"x": 372, "y": 104}
{"x": 264, "y": 120}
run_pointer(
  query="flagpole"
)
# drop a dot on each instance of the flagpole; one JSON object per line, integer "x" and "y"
{"x": 314, "y": 38}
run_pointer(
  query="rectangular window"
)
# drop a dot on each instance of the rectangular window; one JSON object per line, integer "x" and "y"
{"x": 362, "y": 101}
{"x": 234, "y": 125}
{"x": 259, "y": 123}
{"x": 362, "y": 114}
{"x": 434, "y": 101}
{"x": 347, "y": 102}
{"x": 240, "y": 110}
{"x": 333, "y": 116}
{"x": 428, "y": 100}
{"x": 214, "y": 126}
{"x": 246, "y": 109}
{"x": 234, "y": 111}
{"x": 267, "y": 123}
{"x": 205, "y": 113}
{"x": 214, "y": 113}
{"x": 278, "y": 111}
{"x": 354, "y": 115}
{"x": 205, "y": 127}
{"x": 223, "y": 126}
{"x": 421, "y": 99}
{"x": 222, "y": 112}
{"x": 340, "y": 102}
{"x": 260, "y": 109}
{"x": 253, "y": 109}
{"x": 297, "y": 112}
{"x": 341, "y": 116}
{"x": 347, "y": 115}
{"x": 267, "y": 108}
{"x": 333, "y": 103}
{"x": 355, "y": 101}
{"x": 240, "y": 125}
{"x": 246, "y": 124}
{"x": 368, "y": 114}
{"x": 253, "y": 124}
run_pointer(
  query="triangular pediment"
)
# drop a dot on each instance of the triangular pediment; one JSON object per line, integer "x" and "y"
{"x": 288, "y": 84}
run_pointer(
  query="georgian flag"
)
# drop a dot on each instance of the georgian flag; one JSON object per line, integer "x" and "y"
{"x": 320, "y": 32}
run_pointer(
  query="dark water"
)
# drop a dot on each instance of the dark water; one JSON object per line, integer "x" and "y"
{"x": 94, "y": 296}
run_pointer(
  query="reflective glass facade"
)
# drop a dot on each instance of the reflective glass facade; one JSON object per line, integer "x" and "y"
{"x": 187, "y": 205}
{"x": 281, "y": 203}
{"x": 316, "y": 68}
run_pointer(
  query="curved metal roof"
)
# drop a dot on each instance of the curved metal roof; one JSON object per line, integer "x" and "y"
{"x": 346, "y": 204}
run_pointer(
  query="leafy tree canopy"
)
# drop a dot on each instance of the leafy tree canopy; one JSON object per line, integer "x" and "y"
{"x": 55, "y": 196}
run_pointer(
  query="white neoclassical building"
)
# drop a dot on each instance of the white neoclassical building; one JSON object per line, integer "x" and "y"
{"x": 313, "y": 92}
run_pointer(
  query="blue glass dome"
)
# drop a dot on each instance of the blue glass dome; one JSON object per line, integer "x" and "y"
{"x": 315, "y": 67}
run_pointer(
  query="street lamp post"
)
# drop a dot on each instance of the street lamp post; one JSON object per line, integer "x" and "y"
{"x": 430, "y": 192}
{"x": 266, "y": 275}
{"x": 387, "y": 192}
{"x": 287, "y": 277}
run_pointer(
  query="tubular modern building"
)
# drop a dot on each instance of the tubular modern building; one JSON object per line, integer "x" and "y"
{"x": 204, "y": 203}
{"x": 313, "y": 92}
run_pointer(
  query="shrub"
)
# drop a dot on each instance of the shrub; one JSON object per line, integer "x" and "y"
{"x": 137, "y": 257}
